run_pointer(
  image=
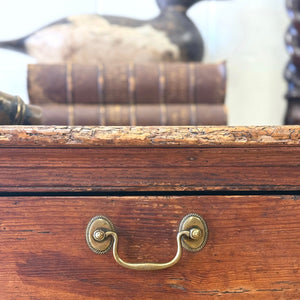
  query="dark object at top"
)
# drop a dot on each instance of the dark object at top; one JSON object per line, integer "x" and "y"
{"x": 163, "y": 4}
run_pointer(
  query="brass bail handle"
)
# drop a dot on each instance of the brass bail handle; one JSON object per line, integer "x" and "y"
{"x": 101, "y": 237}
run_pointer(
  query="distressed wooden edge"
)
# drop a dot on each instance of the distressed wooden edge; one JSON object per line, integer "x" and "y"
{"x": 205, "y": 136}
{"x": 133, "y": 190}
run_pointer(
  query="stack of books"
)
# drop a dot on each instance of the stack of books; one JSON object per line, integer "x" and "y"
{"x": 129, "y": 94}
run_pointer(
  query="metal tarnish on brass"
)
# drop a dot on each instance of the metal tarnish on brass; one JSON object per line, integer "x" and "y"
{"x": 96, "y": 226}
{"x": 191, "y": 222}
{"x": 14, "y": 111}
{"x": 192, "y": 235}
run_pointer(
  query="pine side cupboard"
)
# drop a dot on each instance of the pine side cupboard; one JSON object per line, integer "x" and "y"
{"x": 64, "y": 191}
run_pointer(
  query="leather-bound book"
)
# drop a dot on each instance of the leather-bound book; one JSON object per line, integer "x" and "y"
{"x": 13, "y": 111}
{"x": 134, "y": 115}
{"x": 127, "y": 84}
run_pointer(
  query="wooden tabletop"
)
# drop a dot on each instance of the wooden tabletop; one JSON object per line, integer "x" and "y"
{"x": 206, "y": 136}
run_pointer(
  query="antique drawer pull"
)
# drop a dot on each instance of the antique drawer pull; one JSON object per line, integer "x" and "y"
{"x": 101, "y": 236}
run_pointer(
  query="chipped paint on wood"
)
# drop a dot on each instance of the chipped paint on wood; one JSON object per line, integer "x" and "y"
{"x": 92, "y": 39}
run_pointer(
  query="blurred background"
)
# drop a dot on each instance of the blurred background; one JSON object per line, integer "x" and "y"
{"x": 249, "y": 35}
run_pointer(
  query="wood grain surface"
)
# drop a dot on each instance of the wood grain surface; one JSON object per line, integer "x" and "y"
{"x": 253, "y": 247}
{"x": 159, "y": 136}
{"x": 101, "y": 169}
{"x": 252, "y": 252}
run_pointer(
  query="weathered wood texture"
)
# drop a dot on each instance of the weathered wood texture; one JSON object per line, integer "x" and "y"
{"x": 252, "y": 252}
{"x": 253, "y": 248}
{"x": 206, "y": 136}
{"x": 149, "y": 159}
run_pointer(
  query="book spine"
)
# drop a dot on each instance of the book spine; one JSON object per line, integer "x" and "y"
{"x": 127, "y": 84}
{"x": 136, "y": 115}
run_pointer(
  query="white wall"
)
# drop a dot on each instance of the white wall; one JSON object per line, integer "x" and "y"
{"x": 248, "y": 34}
{"x": 20, "y": 17}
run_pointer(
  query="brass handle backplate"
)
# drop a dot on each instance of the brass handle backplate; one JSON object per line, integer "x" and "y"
{"x": 192, "y": 235}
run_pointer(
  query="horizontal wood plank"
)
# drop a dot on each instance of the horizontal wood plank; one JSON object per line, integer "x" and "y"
{"x": 252, "y": 251}
{"x": 161, "y": 136}
{"x": 149, "y": 179}
{"x": 149, "y": 157}
{"x": 149, "y": 169}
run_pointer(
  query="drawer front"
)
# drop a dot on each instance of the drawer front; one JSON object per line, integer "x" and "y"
{"x": 149, "y": 169}
{"x": 253, "y": 248}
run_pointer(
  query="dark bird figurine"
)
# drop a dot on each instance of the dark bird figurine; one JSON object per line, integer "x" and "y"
{"x": 171, "y": 36}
